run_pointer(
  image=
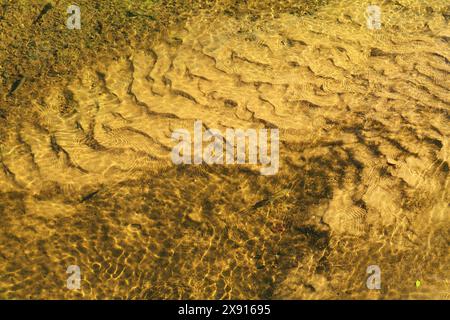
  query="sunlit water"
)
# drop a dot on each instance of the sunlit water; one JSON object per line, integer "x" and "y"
{"x": 363, "y": 177}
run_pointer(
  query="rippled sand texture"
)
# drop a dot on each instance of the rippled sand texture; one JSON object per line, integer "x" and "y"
{"x": 363, "y": 118}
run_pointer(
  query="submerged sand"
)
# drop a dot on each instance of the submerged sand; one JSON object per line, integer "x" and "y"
{"x": 364, "y": 144}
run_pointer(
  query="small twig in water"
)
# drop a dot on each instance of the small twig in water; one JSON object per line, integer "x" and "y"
{"x": 16, "y": 85}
